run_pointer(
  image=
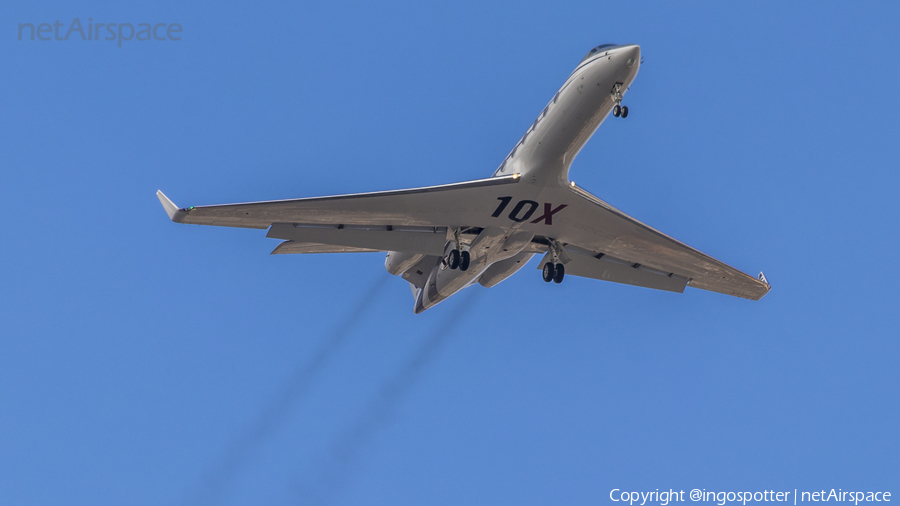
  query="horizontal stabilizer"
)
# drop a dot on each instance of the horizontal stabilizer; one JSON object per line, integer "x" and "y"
{"x": 418, "y": 274}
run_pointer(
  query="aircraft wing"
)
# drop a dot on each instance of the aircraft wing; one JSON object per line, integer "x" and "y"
{"x": 430, "y": 206}
{"x": 605, "y": 243}
{"x": 608, "y": 244}
{"x": 413, "y": 220}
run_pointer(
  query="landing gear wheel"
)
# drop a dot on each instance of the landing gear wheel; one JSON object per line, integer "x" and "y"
{"x": 617, "y": 110}
{"x": 549, "y": 272}
{"x": 559, "y": 274}
{"x": 464, "y": 261}
{"x": 453, "y": 259}
{"x": 624, "y": 111}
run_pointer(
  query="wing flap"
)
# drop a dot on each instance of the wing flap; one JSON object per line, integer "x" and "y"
{"x": 294, "y": 247}
{"x": 429, "y": 242}
{"x": 608, "y": 269}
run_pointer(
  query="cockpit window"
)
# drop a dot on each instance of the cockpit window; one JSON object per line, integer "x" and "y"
{"x": 596, "y": 50}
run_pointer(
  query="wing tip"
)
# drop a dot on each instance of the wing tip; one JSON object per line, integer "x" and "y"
{"x": 175, "y": 214}
{"x": 762, "y": 279}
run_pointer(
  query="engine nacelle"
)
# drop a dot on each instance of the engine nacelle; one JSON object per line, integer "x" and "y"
{"x": 398, "y": 262}
{"x": 503, "y": 269}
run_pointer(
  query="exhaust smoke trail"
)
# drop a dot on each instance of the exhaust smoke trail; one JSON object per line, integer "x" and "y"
{"x": 377, "y": 413}
{"x": 274, "y": 414}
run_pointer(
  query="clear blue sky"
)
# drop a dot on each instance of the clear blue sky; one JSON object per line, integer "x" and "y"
{"x": 144, "y": 362}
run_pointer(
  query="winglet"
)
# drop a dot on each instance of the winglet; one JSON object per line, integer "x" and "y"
{"x": 172, "y": 210}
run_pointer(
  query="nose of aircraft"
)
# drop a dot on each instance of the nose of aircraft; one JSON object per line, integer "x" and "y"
{"x": 631, "y": 54}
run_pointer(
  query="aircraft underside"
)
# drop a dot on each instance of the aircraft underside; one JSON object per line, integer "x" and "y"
{"x": 442, "y": 239}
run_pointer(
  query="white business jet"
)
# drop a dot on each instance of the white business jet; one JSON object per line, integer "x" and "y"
{"x": 442, "y": 239}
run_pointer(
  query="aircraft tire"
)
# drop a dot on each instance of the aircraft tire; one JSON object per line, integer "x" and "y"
{"x": 453, "y": 259}
{"x": 617, "y": 110}
{"x": 549, "y": 272}
{"x": 559, "y": 274}
{"x": 464, "y": 261}
{"x": 624, "y": 111}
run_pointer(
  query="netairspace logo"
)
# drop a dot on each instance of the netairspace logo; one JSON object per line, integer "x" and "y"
{"x": 113, "y": 31}
{"x": 721, "y": 498}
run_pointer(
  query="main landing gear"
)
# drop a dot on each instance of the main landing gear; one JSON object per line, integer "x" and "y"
{"x": 554, "y": 272}
{"x": 620, "y": 110}
{"x": 458, "y": 260}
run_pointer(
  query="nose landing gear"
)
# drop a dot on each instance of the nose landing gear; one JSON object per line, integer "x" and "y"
{"x": 619, "y": 110}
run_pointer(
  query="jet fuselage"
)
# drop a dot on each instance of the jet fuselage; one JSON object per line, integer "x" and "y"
{"x": 542, "y": 157}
